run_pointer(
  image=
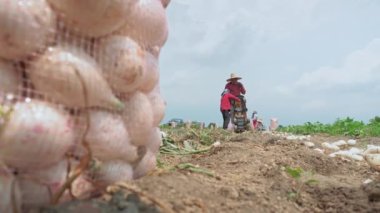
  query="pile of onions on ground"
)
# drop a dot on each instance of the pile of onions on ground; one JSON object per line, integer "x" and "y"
{"x": 75, "y": 71}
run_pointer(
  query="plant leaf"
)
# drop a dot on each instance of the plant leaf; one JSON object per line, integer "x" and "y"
{"x": 294, "y": 172}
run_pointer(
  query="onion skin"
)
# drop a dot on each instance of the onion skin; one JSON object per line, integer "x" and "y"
{"x": 372, "y": 156}
{"x": 61, "y": 74}
{"x": 373, "y": 160}
{"x": 38, "y": 186}
{"x": 9, "y": 188}
{"x": 147, "y": 24}
{"x": 123, "y": 63}
{"x": 155, "y": 141}
{"x": 158, "y": 106}
{"x": 10, "y": 78}
{"x": 36, "y": 135}
{"x": 109, "y": 139}
{"x": 138, "y": 118}
{"x": 26, "y": 26}
{"x": 93, "y": 18}
{"x": 110, "y": 172}
{"x": 152, "y": 74}
{"x": 146, "y": 165}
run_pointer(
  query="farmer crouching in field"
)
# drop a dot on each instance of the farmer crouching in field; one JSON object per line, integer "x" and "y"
{"x": 236, "y": 88}
{"x": 225, "y": 106}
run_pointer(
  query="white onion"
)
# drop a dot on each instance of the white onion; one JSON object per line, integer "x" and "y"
{"x": 339, "y": 143}
{"x": 158, "y": 106}
{"x": 9, "y": 192}
{"x": 123, "y": 63}
{"x": 38, "y": 186}
{"x": 373, "y": 160}
{"x": 82, "y": 187}
{"x": 319, "y": 150}
{"x": 108, "y": 137}
{"x": 10, "y": 79}
{"x": 330, "y": 146}
{"x": 353, "y": 153}
{"x": 113, "y": 171}
{"x": 35, "y": 136}
{"x": 146, "y": 165}
{"x": 151, "y": 77}
{"x": 25, "y": 27}
{"x": 59, "y": 74}
{"x": 351, "y": 142}
{"x": 371, "y": 149}
{"x": 93, "y": 18}
{"x": 154, "y": 142}
{"x": 147, "y": 23}
{"x": 138, "y": 118}
{"x": 372, "y": 156}
{"x": 309, "y": 144}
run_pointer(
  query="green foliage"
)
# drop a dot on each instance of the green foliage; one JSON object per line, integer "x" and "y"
{"x": 294, "y": 172}
{"x": 182, "y": 147}
{"x": 193, "y": 168}
{"x": 347, "y": 127}
{"x": 303, "y": 178}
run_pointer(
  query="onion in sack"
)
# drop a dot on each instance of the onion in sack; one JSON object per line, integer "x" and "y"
{"x": 108, "y": 137}
{"x": 154, "y": 142}
{"x": 147, "y": 23}
{"x": 93, "y": 18}
{"x": 61, "y": 74}
{"x": 25, "y": 27}
{"x": 10, "y": 195}
{"x": 151, "y": 76}
{"x": 36, "y": 135}
{"x": 10, "y": 78}
{"x": 110, "y": 172}
{"x": 39, "y": 186}
{"x": 123, "y": 63}
{"x": 158, "y": 106}
{"x": 146, "y": 165}
{"x": 82, "y": 187}
{"x": 138, "y": 118}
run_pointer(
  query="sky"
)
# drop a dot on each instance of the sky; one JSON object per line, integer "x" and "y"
{"x": 300, "y": 60}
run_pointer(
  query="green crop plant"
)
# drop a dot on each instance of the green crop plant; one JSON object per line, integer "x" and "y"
{"x": 302, "y": 178}
{"x": 346, "y": 127}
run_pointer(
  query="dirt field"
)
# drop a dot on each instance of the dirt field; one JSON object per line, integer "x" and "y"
{"x": 250, "y": 174}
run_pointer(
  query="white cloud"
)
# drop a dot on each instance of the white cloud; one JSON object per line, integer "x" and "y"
{"x": 279, "y": 19}
{"x": 203, "y": 27}
{"x": 360, "y": 67}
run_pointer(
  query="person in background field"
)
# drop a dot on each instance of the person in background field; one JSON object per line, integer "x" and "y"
{"x": 234, "y": 86}
{"x": 225, "y": 106}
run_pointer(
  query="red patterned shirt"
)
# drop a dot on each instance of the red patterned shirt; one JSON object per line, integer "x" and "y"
{"x": 235, "y": 88}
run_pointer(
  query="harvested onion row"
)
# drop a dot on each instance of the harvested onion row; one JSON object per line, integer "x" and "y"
{"x": 79, "y": 83}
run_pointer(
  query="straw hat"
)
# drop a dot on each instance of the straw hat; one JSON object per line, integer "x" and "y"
{"x": 233, "y": 76}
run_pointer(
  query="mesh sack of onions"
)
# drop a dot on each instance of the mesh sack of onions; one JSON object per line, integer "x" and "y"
{"x": 80, "y": 102}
